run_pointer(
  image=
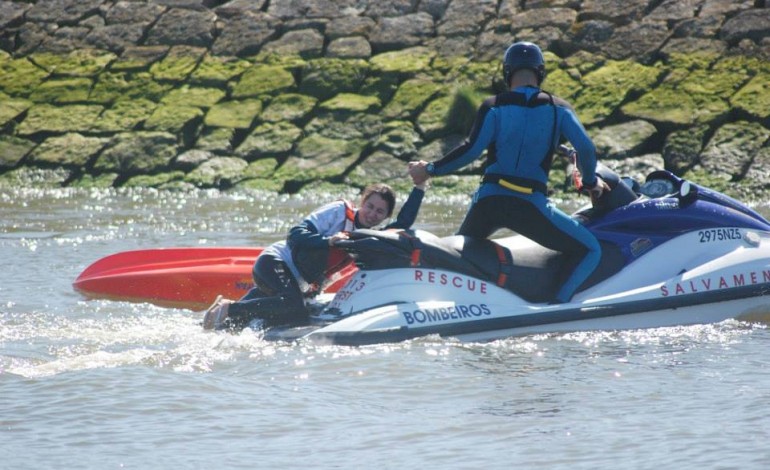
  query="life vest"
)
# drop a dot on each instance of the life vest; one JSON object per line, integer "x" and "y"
{"x": 350, "y": 217}
{"x": 339, "y": 259}
{"x": 322, "y": 267}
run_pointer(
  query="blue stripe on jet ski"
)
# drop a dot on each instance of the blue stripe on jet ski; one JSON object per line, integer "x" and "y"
{"x": 359, "y": 338}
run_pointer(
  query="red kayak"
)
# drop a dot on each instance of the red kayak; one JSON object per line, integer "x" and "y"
{"x": 176, "y": 277}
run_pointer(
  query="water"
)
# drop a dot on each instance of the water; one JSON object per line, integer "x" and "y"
{"x": 99, "y": 384}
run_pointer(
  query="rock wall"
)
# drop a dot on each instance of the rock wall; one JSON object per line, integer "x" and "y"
{"x": 279, "y": 94}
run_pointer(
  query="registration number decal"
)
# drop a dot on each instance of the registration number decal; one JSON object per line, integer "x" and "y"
{"x": 719, "y": 235}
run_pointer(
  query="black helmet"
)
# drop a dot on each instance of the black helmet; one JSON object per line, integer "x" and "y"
{"x": 523, "y": 55}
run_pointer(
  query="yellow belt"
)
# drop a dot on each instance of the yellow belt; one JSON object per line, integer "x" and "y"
{"x": 514, "y": 187}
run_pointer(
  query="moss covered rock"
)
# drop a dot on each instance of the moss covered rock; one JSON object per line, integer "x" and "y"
{"x": 217, "y": 140}
{"x": 19, "y": 77}
{"x": 320, "y": 157}
{"x": 178, "y": 63}
{"x": 111, "y": 87}
{"x": 173, "y": 118}
{"x": 351, "y": 102}
{"x": 398, "y": 139}
{"x": 137, "y": 58}
{"x": 236, "y": 114}
{"x": 49, "y": 118}
{"x": 263, "y": 80}
{"x": 153, "y": 181}
{"x": 32, "y": 177}
{"x": 623, "y": 140}
{"x": 757, "y": 181}
{"x": 381, "y": 167}
{"x": 383, "y": 87}
{"x": 681, "y": 150}
{"x": 410, "y": 98}
{"x": 732, "y": 149}
{"x": 324, "y": 78}
{"x": 437, "y": 148}
{"x": 261, "y": 168}
{"x": 754, "y": 96}
{"x": 261, "y": 184}
{"x": 563, "y": 83}
{"x": 191, "y": 159}
{"x": 606, "y": 88}
{"x": 404, "y": 62}
{"x": 664, "y": 105}
{"x": 199, "y": 97}
{"x": 483, "y": 76}
{"x": 717, "y": 181}
{"x": 259, "y": 176}
{"x": 124, "y": 115}
{"x": 288, "y": 107}
{"x": 68, "y": 150}
{"x": 78, "y": 63}
{"x": 13, "y": 149}
{"x": 691, "y": 97}
{"x": 346, "y": 125}
{"x": 432, "y": 120}
{"x": 64, "y": 90}
{"x": 104, "y": 180}
{"x": 11, "y": 108}
{"x": 218, "y": 70}
{"x": 269, "y": 139}
{"x": 219, "y": 172}
{"x": 138, "y": 153}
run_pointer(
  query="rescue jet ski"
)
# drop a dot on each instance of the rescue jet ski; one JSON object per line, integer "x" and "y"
{"x": 673, "y": 253}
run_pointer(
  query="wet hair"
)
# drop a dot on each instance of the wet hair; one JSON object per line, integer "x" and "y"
{"x": 384, "y": 191}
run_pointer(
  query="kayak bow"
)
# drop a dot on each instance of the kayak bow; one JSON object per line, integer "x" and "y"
{"x": 170, "y": 277}
{"x": 176, "y": 277}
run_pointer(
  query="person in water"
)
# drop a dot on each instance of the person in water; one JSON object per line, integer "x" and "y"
{"x": 520, "y": 129}
{"x": 289, "y": 271}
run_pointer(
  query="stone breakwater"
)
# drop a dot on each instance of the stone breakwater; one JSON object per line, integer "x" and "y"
{"x": 279, "y": 94}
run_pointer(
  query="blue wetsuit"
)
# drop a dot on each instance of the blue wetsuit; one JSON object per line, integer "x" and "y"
{"x": 520, "y": 129}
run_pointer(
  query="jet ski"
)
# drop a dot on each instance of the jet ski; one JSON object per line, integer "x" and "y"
{"x": 673, "y": 253}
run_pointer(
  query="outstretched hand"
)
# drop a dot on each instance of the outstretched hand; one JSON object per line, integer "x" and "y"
{"x": 418, "y": 172}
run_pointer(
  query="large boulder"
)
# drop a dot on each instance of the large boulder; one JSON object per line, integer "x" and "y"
{"x": 137, "y": 153}
{"x": 182, "y": 26}
{"x": 68, "y": 150}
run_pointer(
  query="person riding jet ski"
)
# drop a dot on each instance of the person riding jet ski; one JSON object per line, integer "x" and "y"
{"x": 520, "y": 129}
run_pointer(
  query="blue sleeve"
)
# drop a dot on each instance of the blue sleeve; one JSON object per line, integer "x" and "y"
{"x": 408, "y": 213}
{"x": 313, "y": 232}
{"x": 481, "y": 135}
{"x": 306, "y": 235}
{"x": 574, "y": 131}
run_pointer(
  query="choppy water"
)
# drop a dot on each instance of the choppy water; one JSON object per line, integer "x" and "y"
{"x": 99, "y": 384}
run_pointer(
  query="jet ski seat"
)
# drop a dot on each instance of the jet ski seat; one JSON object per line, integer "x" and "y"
{"x": 532, "y": 272}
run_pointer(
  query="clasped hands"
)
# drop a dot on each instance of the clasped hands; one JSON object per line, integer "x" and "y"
{"x": 418, "y": 172}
